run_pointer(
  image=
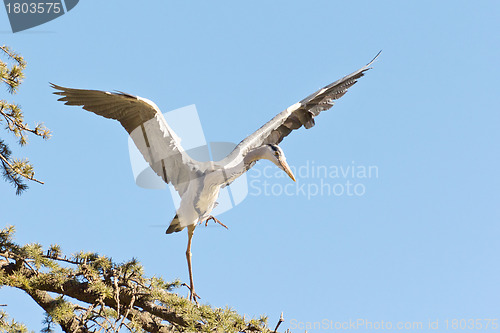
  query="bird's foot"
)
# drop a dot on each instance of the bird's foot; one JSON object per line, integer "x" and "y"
{"x": 215, "y": 220}
{"x": 192, "y": 295}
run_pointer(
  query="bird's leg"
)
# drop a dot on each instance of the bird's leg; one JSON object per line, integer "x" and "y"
{"x": 192, "y": 294}
{"x": 215, "y": 220}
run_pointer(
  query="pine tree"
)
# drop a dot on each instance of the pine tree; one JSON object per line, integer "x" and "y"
{"x": 15, "y": 170}
{"x": 87, "y": 292}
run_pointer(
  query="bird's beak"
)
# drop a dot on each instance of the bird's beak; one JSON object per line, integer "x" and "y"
{"x": 286, "y": 168}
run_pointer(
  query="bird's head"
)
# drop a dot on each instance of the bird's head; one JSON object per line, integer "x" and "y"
{"x": 274, "y": 154}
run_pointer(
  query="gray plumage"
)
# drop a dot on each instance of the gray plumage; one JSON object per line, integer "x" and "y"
{"x": 199, "y": 183}
{"x": 301, "y": 113}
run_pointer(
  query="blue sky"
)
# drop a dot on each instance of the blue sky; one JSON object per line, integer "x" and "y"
{"x": 420, "y": 244}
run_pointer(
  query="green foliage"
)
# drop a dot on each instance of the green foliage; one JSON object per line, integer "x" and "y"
{"x": 94, "y": 293}
{"x": 14, "y": 75}
{"x": 15, "y": 170}
{"x": 10, "y": 326}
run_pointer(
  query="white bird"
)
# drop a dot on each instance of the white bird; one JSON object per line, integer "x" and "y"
{"x": 199, "y": 183}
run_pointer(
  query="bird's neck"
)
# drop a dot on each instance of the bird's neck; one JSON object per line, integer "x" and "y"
{"x": 254, "y": 155}
{"x": 244, "y": 163}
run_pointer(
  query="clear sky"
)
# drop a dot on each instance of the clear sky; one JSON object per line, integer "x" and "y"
{"x": 420, "y": 243}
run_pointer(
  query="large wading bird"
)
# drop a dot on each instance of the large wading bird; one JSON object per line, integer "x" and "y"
{"x": 199, "y": 183}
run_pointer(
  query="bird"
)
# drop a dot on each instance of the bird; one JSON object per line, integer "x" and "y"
{"x": 198, "y": 183}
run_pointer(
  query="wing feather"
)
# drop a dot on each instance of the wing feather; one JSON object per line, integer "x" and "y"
{"x": 298, "y": 115}
{"x": 149, "y": 130}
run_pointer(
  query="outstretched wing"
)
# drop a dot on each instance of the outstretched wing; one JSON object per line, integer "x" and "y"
{"x": 298, "y": 115}
{"x": 149, "y": 130}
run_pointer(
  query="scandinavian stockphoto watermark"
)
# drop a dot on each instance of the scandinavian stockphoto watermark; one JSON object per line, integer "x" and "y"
{"x": 435, "y": 324}
{"x": 314, "y": 180}
{"x": 346, "y": 179}
{"x": 26, "y": 14}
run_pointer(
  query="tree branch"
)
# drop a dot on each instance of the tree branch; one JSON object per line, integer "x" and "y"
{"x": 118, "y": 296}
{"x": 69, "y": 323}
{"x": 4, "y": 160}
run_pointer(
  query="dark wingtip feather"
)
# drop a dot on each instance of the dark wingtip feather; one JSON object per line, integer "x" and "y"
{"x": 175, "y": 225}
{"x": 375, "y": 58}
{"x": 55, "y": 86}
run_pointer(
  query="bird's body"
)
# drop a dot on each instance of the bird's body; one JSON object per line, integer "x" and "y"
{"x": 199, "y": 183}
{"x": 201, "y": 195}
{"x": 197, "y": 203}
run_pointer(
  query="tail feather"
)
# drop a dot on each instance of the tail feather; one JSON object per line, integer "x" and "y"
{"x": 175, "y": 225}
